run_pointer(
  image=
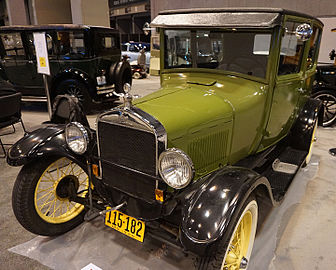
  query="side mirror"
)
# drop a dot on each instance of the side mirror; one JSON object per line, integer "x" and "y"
{"x": 304, "y": 31}
{"x": 332, "y": 55}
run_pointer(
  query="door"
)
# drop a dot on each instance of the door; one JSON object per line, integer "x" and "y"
{"x": 290, "y": 85}
{"x": 18, "y": 65}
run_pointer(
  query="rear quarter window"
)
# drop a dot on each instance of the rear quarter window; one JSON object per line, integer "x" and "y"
{"x": 107, "y": 44}
{"x": 71, "y": 45}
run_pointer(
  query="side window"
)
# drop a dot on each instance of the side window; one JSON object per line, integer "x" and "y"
{"x": 13, "y": 46}
{"x": 313, "y": 44}
{"x": 71, "y": 45}
{"x": 134, "y": 48}
{"x": 291, "y": 51}
{"x": 107, "y": 44}
{"x": 50, "y": 45}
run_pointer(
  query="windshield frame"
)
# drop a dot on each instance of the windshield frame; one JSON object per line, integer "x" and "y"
{"x": 269, "y": 67}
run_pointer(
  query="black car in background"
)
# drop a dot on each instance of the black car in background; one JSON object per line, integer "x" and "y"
{"x": 84, "y": 62}
{"x": 324, "y": 89}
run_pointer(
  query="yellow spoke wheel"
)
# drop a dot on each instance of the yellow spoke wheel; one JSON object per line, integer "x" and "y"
{"x": 313, "y": 139}
{"x": 241, "y": 243}
{"x": 51, "y": 200}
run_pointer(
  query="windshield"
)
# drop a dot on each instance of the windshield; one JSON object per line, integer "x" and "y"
{"x": 244, "y": 52}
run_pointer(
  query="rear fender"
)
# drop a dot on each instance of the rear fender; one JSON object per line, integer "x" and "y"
{"x": 301, "y": 132}
{"x": 209, "y": 209}
{"x": 72, "y": 73}
{"x": 47, "y": 140}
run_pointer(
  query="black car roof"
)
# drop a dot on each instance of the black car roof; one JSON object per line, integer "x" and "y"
{"x": 224, "y": 17}
{"x": 54, "y": 27}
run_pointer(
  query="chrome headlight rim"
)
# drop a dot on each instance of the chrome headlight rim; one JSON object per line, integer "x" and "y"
{"x": 185, "y": 157}
{"x": 84, "y": 133}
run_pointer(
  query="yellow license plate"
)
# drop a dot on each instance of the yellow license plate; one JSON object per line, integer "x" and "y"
{"x": 125, "y": 224}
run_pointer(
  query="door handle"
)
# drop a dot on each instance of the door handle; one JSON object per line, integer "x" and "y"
{"x": 301, "y": 90}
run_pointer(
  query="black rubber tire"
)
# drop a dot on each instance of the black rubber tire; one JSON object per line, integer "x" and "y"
{"x": 324, "y": 96}
{"x": 215, "y": 258}
{"x": 124, "y": 76}
{"x": 75, "y": 88}
{"x": 23, "y": 202}
{"x": 136, "y": 75}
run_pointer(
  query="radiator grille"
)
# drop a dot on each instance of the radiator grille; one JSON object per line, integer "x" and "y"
{"x": 128, "y": 147}
{"x": 129, "y": 182}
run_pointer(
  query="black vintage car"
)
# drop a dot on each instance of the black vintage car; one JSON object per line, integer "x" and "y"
{"x": 84, "y": 62}
{"x": 325, "y": 89}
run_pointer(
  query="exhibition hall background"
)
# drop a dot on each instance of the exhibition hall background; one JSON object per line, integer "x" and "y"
{"x": 129, "y": 16}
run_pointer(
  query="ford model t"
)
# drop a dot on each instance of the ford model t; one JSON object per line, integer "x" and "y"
{"x": 84, "y": 62}
{"x": 198, "y": 162}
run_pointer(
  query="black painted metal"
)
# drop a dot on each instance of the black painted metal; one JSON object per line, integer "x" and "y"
{"x": 45, "y": 141}
{"x": 301, "y": 132}
{"x": 210, "y": 210}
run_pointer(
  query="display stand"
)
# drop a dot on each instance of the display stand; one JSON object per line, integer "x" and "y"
{"x": 42, "y": 60}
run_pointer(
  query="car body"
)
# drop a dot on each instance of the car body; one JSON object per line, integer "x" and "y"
{"x": 325, "y": 89}
{"x": 132, "y": 50}
{"x": 195, "y": 161}
{"x": 81, "y": 58}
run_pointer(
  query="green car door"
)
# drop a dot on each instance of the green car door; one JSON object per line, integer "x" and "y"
{"x": 292, "y": 82}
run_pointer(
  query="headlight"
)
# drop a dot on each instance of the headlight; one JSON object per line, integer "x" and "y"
{"x": 76, "y": 137}
{"x": 176, "y": 168}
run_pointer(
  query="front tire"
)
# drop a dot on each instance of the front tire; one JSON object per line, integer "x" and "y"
{"x": 328, "y": 98}
{"x": 235, "y": 253}
{"x": 40, "y": 197}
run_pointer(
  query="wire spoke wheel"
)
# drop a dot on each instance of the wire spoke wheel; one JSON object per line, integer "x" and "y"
{"x": 312, "y": 142}
{"x": 329, "y": 102}
{"x": 241, "y": 243}
{"x": 54, "y": 187}
{"x": 74, "y": 91}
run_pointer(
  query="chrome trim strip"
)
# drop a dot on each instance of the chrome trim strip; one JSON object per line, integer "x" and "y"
{"x": 142, "y": 118}
{"x": 33, "y": 99}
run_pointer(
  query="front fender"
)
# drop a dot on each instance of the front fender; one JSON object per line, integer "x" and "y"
{"x": 45, "y": 141}
{"x": 208, "y": 211}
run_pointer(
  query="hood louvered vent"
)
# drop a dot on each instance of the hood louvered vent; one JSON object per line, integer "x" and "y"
{"x": 209, "y": 149}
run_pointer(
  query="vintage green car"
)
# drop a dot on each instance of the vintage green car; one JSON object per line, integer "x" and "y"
{"x": 199, "y": 162}
{"x": 84, "y": 62}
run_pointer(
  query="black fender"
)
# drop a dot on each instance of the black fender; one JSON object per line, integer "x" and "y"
{"x": 209, "y": 209}
{"x": 301, "y": 132}
{"x": 47, "y": 140}
{"x": 72, "y": 73}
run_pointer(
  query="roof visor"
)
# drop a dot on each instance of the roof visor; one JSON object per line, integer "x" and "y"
{"x": 220, "y": 20}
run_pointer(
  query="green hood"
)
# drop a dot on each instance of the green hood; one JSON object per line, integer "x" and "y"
{"x": 198, "y": 115}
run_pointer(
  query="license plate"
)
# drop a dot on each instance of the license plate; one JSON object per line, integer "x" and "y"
{"x": 125, "y": 224}
{"x": 101, "y": 80}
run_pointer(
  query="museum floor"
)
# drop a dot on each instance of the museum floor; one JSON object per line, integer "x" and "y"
{"x": 300, "y": 234}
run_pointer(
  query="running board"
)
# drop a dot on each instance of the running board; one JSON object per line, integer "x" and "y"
{"x": 33, "y": 99}
{"x": 284, "y": 167}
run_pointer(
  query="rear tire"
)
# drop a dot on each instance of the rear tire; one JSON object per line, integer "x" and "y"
{"x": 136, "y": 75}
{"x": 229, "y": 255}
{"x": 75, "y": 88}
{"x": 37, "y": 201}
{"x": 328, "y": 98}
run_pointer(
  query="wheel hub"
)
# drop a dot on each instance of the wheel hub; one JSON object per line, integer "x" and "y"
{"x": 67, "y": 187}
{"x": 243, "y": 263}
